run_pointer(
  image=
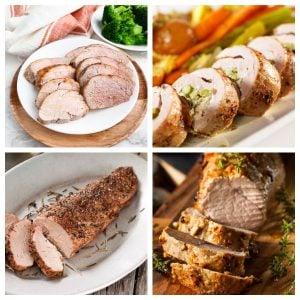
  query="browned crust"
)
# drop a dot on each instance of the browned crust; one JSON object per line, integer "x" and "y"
{"x": 47, "y": 271}
{"x": 172, "y": 131}
{"x": 288, "y": 75}
{"x": 198, "y": 253}
{"x": 265, "y": 91}
{"x": 98, "y": 204}
{"x": 206, "y": 282}
{"x": 9, "y": 254}
{"x": 41, "y": 73}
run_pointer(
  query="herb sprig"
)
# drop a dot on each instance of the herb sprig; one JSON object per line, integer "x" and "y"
{"x": 160, "y": 264}
{"x": 238, "y": 160}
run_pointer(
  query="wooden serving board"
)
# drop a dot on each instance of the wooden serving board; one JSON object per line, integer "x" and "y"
{"x": 108, "y": 137}
{"x": 268, "y": 239}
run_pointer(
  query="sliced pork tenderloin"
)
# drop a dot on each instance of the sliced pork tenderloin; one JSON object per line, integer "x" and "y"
{"x": 62, "y": 106}
{"x": 280, "y": 57}
{"x": 53, "y": 85}
{"x": 74, "y": 221}
{"x": 9, "y": 220}
{"x": 75, "y": 52}
{"x": 169, "y": 129}
{"x": 194, "y": 223}
{"x": 104, "y": 91}
{"x": 213, "y": 97}
{"x": 288, "y": 41}
{"x": 17, "y": 245}
{"x": 103, "y": 60}
{"x": 236, "y": 188}
{"x": 54, "y": 72}
{"x": 258, "y": 80}
{"x": 45, "y": 254}
{"x": 99, "y": 50}
{"x": 33, "y": 69}
{"x": 202, "y": 254}
{"x": 102, "y": 69}
{"x": 287, "y": 28}
{"x": 206, "y": 282}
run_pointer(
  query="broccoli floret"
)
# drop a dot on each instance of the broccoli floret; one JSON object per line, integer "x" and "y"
{"x": 113, "y": 13}
{"x": 140, "y": 15}
{"x": 119, "y": 26}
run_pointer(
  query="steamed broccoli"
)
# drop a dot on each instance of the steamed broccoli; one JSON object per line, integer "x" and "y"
{"x": 140, "y": 15}
{"x": 119, "y": 25}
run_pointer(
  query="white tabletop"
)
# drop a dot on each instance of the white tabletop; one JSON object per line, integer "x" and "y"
{"x": 15, "y": 136}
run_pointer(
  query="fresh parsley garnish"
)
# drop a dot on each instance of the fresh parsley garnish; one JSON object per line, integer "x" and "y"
{"x": 160, "y": 264}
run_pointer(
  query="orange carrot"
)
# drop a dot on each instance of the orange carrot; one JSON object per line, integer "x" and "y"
{"x": 172, "y": 77}
{"x": 266, "y": 10}
{"x": 239, "y": 17}
{"x": 211, "y": 22}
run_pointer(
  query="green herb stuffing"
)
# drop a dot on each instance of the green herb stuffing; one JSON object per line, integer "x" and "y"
{"x": 125, "y": 24}
{"x": 238, "y": 160}
{"x": 194, "y": 96}
{"x": 155, "y": 112}
{"x": 290, "y": 46}
{"x": 160, "y": 264}
{"x": 233, "y": 74}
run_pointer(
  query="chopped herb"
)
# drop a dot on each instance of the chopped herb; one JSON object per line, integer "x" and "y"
{"x": 64, "y": 190}
{"x": 112, "y": 237}
{"x": 142, "y": 210}
{"x": 236, "y": 159}
{"x": 75, "y": 188}
{"x": 290, "y": 46}
{"x": 285, "y": 257}
{"x": 131, "y": 219}
{"x": 233, "y": 74}
{"x": 194, "y": 96}
{"x": 160, "y": 264}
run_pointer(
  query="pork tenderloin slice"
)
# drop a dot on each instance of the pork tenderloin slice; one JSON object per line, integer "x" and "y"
{"x": 275, "y": 52}
{"x": 62, "y": 106}
{"x": 33, "y": 69}
{"x": 258, "y": 80}
{"x": 169, "y": 128}
{"x": 236, "y": 188}
{"x": 76, "y": 220}
{"x": 102, "y": 69}
{"x": 199, "y": 253}
{"x": 287, "y": 28}
{"x": 288, "y": 41}
{"x": 54, "y": 72}
{"x": 100, "y": 50}
{"x": 206, "y": 282}
{"x": 17, "y": 245}
{"x": 103, "y": 60}
{"x": 53, "y": 85}
{"x": 73, "y": 53}
{"x": 194, "y": 223}
{"x": 104, "y": 91}
{"x": 45, "y": 254}
{"x": 9, "y": 220}
{"x": 214, "y": 99}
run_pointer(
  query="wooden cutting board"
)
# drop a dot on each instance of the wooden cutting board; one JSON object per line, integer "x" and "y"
{"x": 106, "y": 138}
{"x": 268, "y": 239}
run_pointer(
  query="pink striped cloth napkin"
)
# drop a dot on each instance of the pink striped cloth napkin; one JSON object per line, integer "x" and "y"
{"x": 29, "y": 27}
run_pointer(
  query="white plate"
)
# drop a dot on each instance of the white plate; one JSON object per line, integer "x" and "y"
{"x": 56, "y": 172}
{"x": 93, "y": 121}
{"x": 97, "y": 27}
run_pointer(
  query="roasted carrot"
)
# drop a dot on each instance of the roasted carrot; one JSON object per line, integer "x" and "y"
{"x": 172, "y": 77}
{"x": 266, "y": 10}
{"x": 211, "y": 22}
{"x": 239, "y": 17}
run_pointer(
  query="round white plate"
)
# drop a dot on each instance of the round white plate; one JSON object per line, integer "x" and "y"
{"x": 97, "y": 27}
{"x": 93, "y": 121}
{"x": 58, "y": 172}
